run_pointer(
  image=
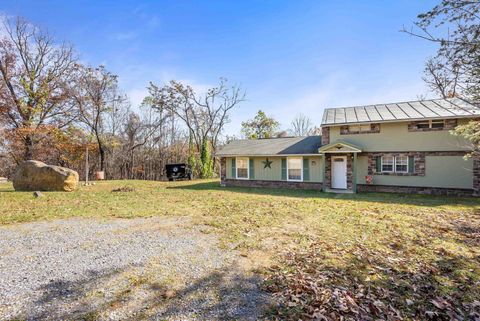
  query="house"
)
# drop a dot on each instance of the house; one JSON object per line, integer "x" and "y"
{"x": 400, "y": 147}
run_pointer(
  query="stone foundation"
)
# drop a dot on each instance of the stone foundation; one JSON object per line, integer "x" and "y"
{"x": 460, "y": 192}
{"x": 272, "y": 184}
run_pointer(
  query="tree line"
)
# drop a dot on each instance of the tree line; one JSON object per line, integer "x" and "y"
{"x": 56, "y": 109}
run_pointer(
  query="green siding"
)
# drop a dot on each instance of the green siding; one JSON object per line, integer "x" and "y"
{"x": 275, "y": 172}
{"x": 306, "y": 169}
{"x": 411, "y": 164}
{"x": 315, "y": 168}
{"x": 229, "y": 167}
{"x": 396, "y": 137}
{"x": 440, "y": 171}
{"x": 362, "y": 169}
{"x": 284, "y": 169}
{"x": 251, "y": 169}
{"x": 233, "y": 168}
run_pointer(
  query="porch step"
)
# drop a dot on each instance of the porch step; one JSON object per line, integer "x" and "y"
{"x": 339, "y": 191}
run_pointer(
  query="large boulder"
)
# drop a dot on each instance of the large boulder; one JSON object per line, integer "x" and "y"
{"x": 37, "y": 176}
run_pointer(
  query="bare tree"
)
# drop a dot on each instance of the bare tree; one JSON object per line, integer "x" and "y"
{"x": 301, "y": 125}
{"x": 441, "y": 79}
{"x": 204, "y": 115}
{"x": 35, "y": 76}
{"x": 455, "y": 26}
{"x": 95, "y": 95}
{"x": 455, "y": 71}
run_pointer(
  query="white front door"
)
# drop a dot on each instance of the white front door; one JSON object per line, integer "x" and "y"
{"x": 339, "y": 172}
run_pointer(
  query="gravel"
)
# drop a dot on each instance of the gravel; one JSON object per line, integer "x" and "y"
{"x": 154, "y": 268}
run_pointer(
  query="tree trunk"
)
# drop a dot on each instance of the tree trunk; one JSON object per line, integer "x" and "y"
{"x": 102, "y": 157}
{"x": 28, "y": 147}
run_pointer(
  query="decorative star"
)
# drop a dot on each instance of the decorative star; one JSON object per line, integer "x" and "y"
{"x": 267, "y": 163}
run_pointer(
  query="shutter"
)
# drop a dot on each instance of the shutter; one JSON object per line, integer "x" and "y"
{"x": 306, "y": 170}
{"x": 378, "y": 164}
{"x": 234, "y": 169}
{"x": 411, "y": 164}
{"x": 251, "y": 168}
{"x": 284, "y": 169}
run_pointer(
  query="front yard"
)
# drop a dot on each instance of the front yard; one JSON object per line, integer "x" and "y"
{"x": 365, "y": 256}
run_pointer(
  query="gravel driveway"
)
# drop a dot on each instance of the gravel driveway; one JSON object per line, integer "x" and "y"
{"x": 155, "y": 268}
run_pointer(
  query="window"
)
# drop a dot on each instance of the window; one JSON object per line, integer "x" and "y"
{"x": 422, "y": 125}
{"x": 429, "y": 124}
{"x": 387, "y": 163}
{"x": 437, "y": 123}
{"x": 401, "y": 164}
{"x": 360, "y": 128}
{"x": 397, "y": 164}
{"x": 295, "y": 168}
{"x": 242, "y": 167}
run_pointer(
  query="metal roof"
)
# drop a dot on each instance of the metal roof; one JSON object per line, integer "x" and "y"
{"x": 412, "y": 110}
{"x": 272, "y": 146}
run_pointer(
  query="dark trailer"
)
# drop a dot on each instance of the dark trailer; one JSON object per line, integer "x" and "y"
{"x": 178, "y": 171}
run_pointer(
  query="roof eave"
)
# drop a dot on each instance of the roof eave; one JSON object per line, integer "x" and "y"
{"x": 265, "y": 155}
{"x": 400, "y": 120}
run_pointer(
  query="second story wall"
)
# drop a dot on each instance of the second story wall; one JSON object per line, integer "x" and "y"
{"x": 397, "y": 137}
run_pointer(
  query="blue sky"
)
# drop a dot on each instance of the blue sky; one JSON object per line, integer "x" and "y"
{"x": 290, "y": 56}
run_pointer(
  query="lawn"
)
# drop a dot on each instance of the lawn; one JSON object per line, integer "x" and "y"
{"x": 364, "y": 256}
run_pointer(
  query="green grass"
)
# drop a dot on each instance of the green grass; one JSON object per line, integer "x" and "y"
{"x": 404, "y": 234}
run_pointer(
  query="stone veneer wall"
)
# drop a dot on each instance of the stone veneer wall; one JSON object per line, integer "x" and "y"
{"x": 271, "y": 184}
{"x": 325, "y": 135}
{"x": 460, "y": 192}
{"x": 328, "y": 169}
{"x": 419, "y": 161}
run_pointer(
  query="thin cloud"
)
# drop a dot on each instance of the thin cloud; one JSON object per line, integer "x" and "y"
{"x": 121, "y": 36}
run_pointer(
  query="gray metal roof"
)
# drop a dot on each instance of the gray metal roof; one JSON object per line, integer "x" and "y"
{"x": 412, "y": 110}
{"x": 272, "y": 146}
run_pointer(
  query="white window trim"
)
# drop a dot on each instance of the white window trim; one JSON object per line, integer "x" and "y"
{"x": 248, "y": 168}
{"x": 301, "y": 171}
{"x": 393, "y": 165}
